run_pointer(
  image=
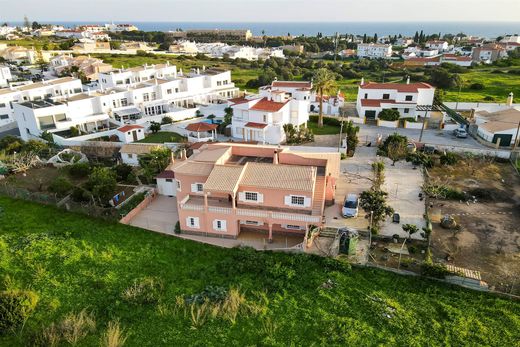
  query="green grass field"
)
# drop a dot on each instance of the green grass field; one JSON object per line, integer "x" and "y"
{"x": 73, "y": 263}
{"x": 162, "y": 137}
{"x": 325, "y": 130}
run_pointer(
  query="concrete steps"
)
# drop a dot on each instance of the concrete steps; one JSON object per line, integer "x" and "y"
{"x": 319, "y": 196}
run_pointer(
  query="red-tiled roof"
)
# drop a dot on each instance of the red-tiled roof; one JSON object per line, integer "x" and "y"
{"x": 378, "y": 102}
{"x": 400, "y": 87}
{"x": 199, "y": 127}
{"x": 255, "y": 125}
{"x": 239, "y": 100}
{"x": 269, "y": 106}
{"x": 126, "y": 128}
{"x": 292, "y": 84}
{"x": 166, "y": 174}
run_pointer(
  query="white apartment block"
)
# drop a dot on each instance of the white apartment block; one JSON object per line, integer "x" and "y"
{"x": 262, "y": 117}
{"x": 5, "y": 76}
{"x": 404, "y": 97}
{"x": 374, "y": 50}
{"x": 57, "y": 89}
{"x": 137, "y": 95}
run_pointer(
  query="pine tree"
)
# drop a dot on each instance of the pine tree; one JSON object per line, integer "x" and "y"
{"x": 416, "y": 37}
{"x": 375, "y": 38}
{"x": 365, "y": 38}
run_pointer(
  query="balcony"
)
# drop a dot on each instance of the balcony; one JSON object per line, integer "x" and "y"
{"x": 222, "y": 206}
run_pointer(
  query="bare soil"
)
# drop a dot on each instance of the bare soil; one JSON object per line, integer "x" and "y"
{"x": 488, "y": 239}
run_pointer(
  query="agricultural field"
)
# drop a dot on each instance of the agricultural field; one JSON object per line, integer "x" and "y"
{"x": 487, "y": 237}
{"x": 86, "y": 275}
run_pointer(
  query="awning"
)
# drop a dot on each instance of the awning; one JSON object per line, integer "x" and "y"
{"x": 255, "y": 125}
{"x": 127, "y": 111}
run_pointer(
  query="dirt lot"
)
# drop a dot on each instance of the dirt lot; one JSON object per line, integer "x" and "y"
{"x": 489, "y": 236}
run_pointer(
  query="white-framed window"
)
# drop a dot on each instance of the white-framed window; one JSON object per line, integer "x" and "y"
{"x": 192, "y": 222}
{"x": 297, "y": 201}
{"x": 406, "y": 110}
{"x": 130, "y": 155}
{"x": 292, "y": 227}
{"x": 169, "y": 180}
{"x": 219, "y": 225}
{"x": 251, "y": 222}
{"x": 251, "y": 196}
{"x": 197, "y": 187}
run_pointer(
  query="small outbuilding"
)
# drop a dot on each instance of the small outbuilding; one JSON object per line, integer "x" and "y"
{"x": 130, "y": 133}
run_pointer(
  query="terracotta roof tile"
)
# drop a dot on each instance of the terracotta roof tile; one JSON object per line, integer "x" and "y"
{"x": 255, "y": 125}
{"x": 279, "y": 176}
{"x": 292, "y": 84}
{"x": 224, "y": 178}
{"x": 126, "y": 128}
{"x": 201, "y": 126}
{"x": 400, "y": 87}
{"x": 267, "y": 105}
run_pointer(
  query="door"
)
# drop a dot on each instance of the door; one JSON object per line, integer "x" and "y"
{"x": 167, "y": 187}
{"x": 134, "y": 135}
{"x": 370, "y": 114}
{"x": 505, "y": 139}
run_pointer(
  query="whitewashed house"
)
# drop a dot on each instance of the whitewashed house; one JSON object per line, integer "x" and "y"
{"x": 5, "y": 76}
{"x": 262, "y": 117}
{"x": 130, "y": 152}
{"x": 404, "y": 97}
{"x": 56, "y": 89}
{"x": 439, "y": 45}
{"x": 130, "y": 133}
{"x": 374, "y": 50}
{"x": 499, "y": 127}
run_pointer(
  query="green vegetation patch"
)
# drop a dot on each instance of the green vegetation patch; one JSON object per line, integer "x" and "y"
{"x": 166, "y": 291}
{"x": 162, "y": 137}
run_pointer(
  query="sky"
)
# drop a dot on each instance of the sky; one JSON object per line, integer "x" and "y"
{"x": 261, "y": 10}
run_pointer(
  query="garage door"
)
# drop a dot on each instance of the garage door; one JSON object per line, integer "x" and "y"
{"x": 370, "y": 114}
{"x": 505, "y": 139}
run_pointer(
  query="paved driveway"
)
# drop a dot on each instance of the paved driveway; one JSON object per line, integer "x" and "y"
{"x": 161, "y": 215}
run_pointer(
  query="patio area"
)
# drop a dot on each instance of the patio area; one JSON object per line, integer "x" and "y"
{"x": 161, "y": 215}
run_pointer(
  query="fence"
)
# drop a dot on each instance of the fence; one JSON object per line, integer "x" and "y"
{"x": 466, "y": 106}
{"x": 88, "y": 209}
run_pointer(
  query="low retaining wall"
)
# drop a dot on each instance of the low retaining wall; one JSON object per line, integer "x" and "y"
{"x": 357, "y": 120}
{"x": 415, "y": 125}
{"x": 466, "y": 106}
{"x": 504, "y": 154}
{"x": 387, "y": 124}
{"x": 142, "y": 205}
{"x": 450, "y": 127}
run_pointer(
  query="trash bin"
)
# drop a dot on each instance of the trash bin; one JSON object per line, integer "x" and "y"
{"x": 348, "y": 241}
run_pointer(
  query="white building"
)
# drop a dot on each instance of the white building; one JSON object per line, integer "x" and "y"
{"x": 137, "y": 95}
{"x": 499, "y": 126}
{"x": 262, "y": 117}
{"x": 439, "y": 45}
{"x": 57, "y": 89}
{"x": 5, "y": 76}
{"x": 130, "y": 152}
{"x": 130, "y": 133}
{"x": 121, "y": 27}
{"x": 405, "y": 97}
{"x": 374, "y": 50}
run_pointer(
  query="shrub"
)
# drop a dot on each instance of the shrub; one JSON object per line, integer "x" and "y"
{"x": 389, "y": 114}
{"x": 166, "y": 120}
{"x": 476, "y": 86}
{"x": 122, "y": 171}
{"x": 145, "y": 291}
{"x": 81, "y": 195}
{"x": 102, "y": 182}
{"x": 114, "y": 336}
{"x": 74, "y": 327}
{"x": 434, "y": 270}
{"x": 209, "y": 294}
{"x": 155, "y": 127}
{"x": 420, "y": 158}
{"x": 61, "y": 185}
{"x": 177, "y": 229}
{"x": 16, "y": 306}
{"x": 443, "y": 192}
{"x": 449, "y": 158}
{"x": 135, "y": 200}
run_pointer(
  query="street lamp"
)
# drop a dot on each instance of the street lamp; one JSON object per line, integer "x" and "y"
{"x": 371, "y": 216}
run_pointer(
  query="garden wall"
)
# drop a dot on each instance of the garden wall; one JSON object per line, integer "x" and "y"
{"x": 357, "y": 120}
{"x": 144, "y": 204}
{"x": 387, "y": 124}
{"x": 488, "y": 106}
{"x": 415, "y": 125}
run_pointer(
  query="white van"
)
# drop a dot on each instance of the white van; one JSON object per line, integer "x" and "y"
{"x": 350, "y": 206}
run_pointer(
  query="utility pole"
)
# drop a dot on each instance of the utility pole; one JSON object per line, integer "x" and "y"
{"x": 336, "y": 46}
{"x": 423, "y": 123}
{"x": 340, "y": 136}
{"x": 515, "y": 144}
{"x": 458, "y": 97}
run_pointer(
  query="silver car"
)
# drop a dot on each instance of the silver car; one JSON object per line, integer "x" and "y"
{"x": 460, "y": 133}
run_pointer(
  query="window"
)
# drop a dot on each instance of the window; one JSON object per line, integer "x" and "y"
{"x": 154, "y": 96}
{"x": 178, "y": 185}
{"x": 200, "y": 187}
{"x": 366, "y": 95}
{"x": 297, "y": 200}
{"x": 130, "y": 155}
{"x": 169, "y": 180}
{"x": 386, "y": 96}
{"x": 124, "y": 102}
{"x": 60, "y": 117}
{"x": 2, "y": 105}
{"x": 251, "y": 196}
{"x": 265, "y": 118}
{"x": 192, "y": 222}
{"x": 168, "y": 91}
{"x": 146, "y": 97}
{"x": 4, "y": 116}
{"x": 219, "y": 225}
{"x": 406, "y": 110}
{"x": 294, "y": 227}
{"x": 409, "y": 98}
{"x": 197, "y": 187}
{"x": 251, "y": 222}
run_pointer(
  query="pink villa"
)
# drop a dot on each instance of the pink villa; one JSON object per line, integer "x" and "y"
{"x": 226, "y": 188}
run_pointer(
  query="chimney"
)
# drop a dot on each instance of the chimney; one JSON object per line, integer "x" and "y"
{"x": 183, "y": 154}
{"x": 408, "y": 80}
{"x": 510, "y": 99}
{"x": 362, "y": 80}
{"x": 275, "y": 157}
{"x": 172, "y": 157}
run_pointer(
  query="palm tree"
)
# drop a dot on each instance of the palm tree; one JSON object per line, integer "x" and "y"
{"x": 323, "y": 83}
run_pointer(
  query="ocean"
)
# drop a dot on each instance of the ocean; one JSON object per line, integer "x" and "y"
{"x": 484, "y": 29}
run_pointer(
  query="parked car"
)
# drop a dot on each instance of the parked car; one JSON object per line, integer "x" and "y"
{"x": 460, "y": 133}
{"x": 350, "y": 206}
